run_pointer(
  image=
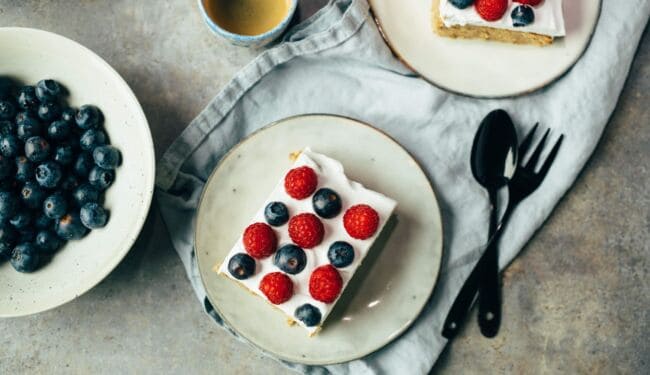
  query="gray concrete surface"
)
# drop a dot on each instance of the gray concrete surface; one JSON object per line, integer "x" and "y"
{"x": 577, "y": 299}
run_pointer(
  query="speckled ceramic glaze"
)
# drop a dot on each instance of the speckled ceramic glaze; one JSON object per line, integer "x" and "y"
{"x": 398, "y": 275}
{"x": 482, "y": 68}
{"x": 30, "y": 55}
{"x": 249, "y": 40}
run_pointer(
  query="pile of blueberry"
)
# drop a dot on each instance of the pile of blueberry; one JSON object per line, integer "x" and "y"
{"x": 55, "y": 164}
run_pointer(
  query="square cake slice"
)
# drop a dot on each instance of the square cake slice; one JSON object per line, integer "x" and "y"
{"x": 524, "y": 22}
{"x": 303, "y": 246}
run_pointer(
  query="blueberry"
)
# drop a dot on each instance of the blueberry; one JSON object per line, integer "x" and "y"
{"x": 327, "y": 203}
{"x": 6, "y": 167}
{"x": 340, "y": 254}
{"x": 241, "y": 266}
{"x": 522, "y": 15}
{"x": 24, "y": 169}
{"x": 461, "y": 4}
{"x": 24, "y": 257}
{"x": 27, "y": 99}
{"x": 68, "y": 114}
{"x": 9, "y": 145}
{"x": 93, "y": 215}
{"x": 109, "y": 157}
{"x": 290, "y": 259}
{"x": 8, "y": 205}
{"x": 49, "y": 111}
{"x": 276, "y": 213}
{"x": 6, "y": 86}
{"x": 83, "y": 165}
{"x": 41, "y": 221}
{"x": 37, "y": 149}
{"x": 59, "y": 130}
{"x": 69, "y": 182}
{"x": 22, "y": 116}
{"x": 32, "y": 195}
{"x": 64, "y": 155}
{"x": 88, "y": 117}
{"x": 28, "y": 127}
{"x": 85, "y": 194}
{"x": 8, "y": 237}
{"x": 101, "y": 178}
{"x": 21, "y": 220}
{"x": 7, "y": 127}
{"x": 48, "y": 174}
{"x": 69, "y": 227}
{"x": 55, "y": 206}
{"x": 308, "y": 314}
{"x": 48, "y": 90}
{"x": 7, "y": 110}
{"x": 48, "y": 242}
{"x": 91, "y": 139}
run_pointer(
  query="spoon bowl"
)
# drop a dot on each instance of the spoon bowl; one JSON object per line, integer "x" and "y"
{"x": 494, "y": 151}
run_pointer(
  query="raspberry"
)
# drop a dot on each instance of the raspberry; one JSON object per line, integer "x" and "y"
{"x": 306, "y": 230}
{"x": 529, "y": 2}
{"x": 259, "y": 240}
{"x": 300, "y": 182}
{"x": 325, "y": 284}
{"x": 491, "y": 10}
{"x": 277, "y": 287}
{"x": 361, "y": 221}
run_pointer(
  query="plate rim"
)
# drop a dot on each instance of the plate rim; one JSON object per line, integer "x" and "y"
{"x": 518, "y": 94}
{"x": 102, "y": 273}
{"x": 389, "y": 339}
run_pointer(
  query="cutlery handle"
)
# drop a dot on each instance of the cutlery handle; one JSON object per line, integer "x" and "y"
{"x": 489, "y": 302}
{"x": 462, "y": 304}
{"x": 489, "y": 311}
{"x": 489, "y": 295}
{"x": 467, "y": 295}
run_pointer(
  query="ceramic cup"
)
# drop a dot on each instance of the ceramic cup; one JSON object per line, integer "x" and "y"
{"x": 249, "y": 40}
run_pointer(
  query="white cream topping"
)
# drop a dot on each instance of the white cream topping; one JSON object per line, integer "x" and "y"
{"x": 331, "y": 175}
{"x": 549, "y": 19}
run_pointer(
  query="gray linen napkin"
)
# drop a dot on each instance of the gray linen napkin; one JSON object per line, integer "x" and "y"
{"x": 336, "y": 62}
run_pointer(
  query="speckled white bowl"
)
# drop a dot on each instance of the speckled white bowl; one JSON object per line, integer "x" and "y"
{"x": 30, "y": 55}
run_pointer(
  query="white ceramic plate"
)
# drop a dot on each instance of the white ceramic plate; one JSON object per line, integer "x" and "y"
{"x": 389, "y": 290}
{"x": 480, "y": 68}
{"x": 30, "y": 55}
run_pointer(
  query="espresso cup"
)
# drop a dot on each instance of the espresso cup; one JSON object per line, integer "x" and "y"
{"x": 243, "y": 40}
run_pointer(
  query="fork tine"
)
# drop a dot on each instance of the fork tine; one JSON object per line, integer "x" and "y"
{"x": 523, "y": 148}
{"x": 551, "y": 156}
{"x": 532, "y": 162}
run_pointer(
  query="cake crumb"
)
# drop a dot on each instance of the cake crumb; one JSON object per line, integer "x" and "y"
{"x": 294, "y": 155}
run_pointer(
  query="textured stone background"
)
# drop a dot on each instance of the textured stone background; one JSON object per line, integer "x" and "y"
{"x": 577, "y": 299}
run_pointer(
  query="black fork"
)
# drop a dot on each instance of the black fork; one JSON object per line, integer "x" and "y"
{"x": 485, "y": 276}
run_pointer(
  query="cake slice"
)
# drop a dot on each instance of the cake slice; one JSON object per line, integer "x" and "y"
{"x": 302, "y": 247}
{"x": 515, "y": 21}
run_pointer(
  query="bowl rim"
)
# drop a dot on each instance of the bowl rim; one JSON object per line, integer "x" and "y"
{"x": 247, "y": 38}
{"x": 150, "y": 168}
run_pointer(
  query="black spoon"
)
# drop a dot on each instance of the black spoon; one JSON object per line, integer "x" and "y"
{"x": 493, "y": 162}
